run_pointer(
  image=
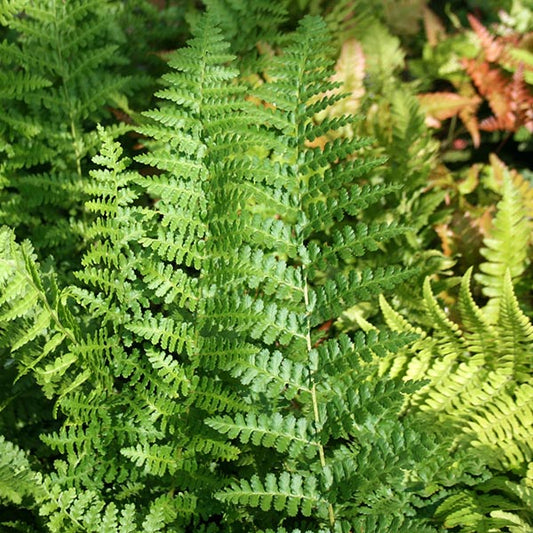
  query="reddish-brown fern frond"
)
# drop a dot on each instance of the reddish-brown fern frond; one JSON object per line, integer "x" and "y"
{"x": 443, "y": 105}
{"x": 509, "y": 98}
{"x": 490, "y": 82}
{"x": 521, "y": 99}
{"x": 511, "y": 103}
{"x": 493, "y": 47}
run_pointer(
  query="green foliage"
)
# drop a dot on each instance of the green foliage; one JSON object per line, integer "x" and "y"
{"x": 508, "y": 246}
{"x": 17, "y": 481}
{"x": 478, "y": 385}
{"x": 62, "y": 69}
{"x": 172, "y": 350}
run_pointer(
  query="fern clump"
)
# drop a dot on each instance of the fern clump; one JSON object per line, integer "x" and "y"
{"x": 188, "y": 364}
{"x": 478, "y": 376}
{"x": 62, "y": 65}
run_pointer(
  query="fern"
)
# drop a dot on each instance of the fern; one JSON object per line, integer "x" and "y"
{"x": 477, "y": 368}
{"x": 35, "y": 323}
{"x": 478, "y": 385}
{"x": 17, "y": 480}
{"x": 263, "y": 20}
{"x": 195, "y": 385}
{"x": 507, "y": 246}
{"x": 61, "y": 77}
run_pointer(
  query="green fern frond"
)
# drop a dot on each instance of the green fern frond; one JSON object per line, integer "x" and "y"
{"x": 504, "y": 428}
{"x": 264, "y": 19}
{"x": 271, "y": 373}
{"x": 61, "y": 77}
{"x": 111, "y": 264}
{"x": 447, "y": 331}
{"x": 69, "y": 510}
{"x": 341, "y": 292}
{"x": 478, "y": 330}
{"x": 176, "y": 337}
{"x": 17, "y": 87}
{"x": 29, "y": 310}
{"x": 283, "y": 433}
{"x": 401, "y": 364}
{"x": 291, "y": 493}
{"x": 211, "y": 396}
{"x": 484, "y": 511}
{"x": 478, "y": 376}
{"x": 507, "y": 246}
{"x": 17, "y": 480}
{"x": 515, "y": 332}
{"x": 157, "y": 459}
{"x": 171, "y": 373}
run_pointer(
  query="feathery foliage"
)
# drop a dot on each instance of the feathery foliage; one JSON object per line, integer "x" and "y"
{"x": 478, "y": 387}
{"x": 61, "y": 68}
{"x": 179, "y": 347}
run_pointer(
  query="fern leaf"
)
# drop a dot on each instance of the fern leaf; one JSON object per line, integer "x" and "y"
{"x": 17, "y": 480}
{"x": 58, "y": 84}
{"x": 444, "y": 327}
{"x": 506, "y": 247}
{"x": 441, "y": 105}
{"x": 341, "y": 292}
{"x": 506, "y": 422}
{"x": 170, "y": 372}
{"x": 402, "y": 364}
{"x": 478, "y": 331}
{"x": 28, "y": 310}
{"x": 156, "y": 459}
{"x": 515, "y": 331}
{"x": 492, "y": 47}
{"x": 165, "y": 332}
{"x": 284, "y": 433}
{"x": 211, "y": 396}
{"x": 273, "y": 374}
{"x": 291, "y": 493}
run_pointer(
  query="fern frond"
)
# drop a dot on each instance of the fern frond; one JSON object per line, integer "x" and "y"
{"x": 292, "y": 493}
{"x": 341, "y": 292}
{"x": 478, "y": 331}
{"x": 440, "y": 106}
{"x": 17, "y": 480}
{"x": 29, "y": 310}
{"x": 211, "y": 396}
{"x": 17, "y": 87}
{"x": 506, "y": 421}
{"x": 157, "y": 459}
{"x": 170, "y": 372}
{"x": 506, "y": 247}
{"x": 62, "y": 77}
{"x": 478, "y": 372}
{"x": 283, "y": 433}
{"x": 165, "y": 332}
{"x": 68, "y": 510}
{"x": 264, "y": 20}
{"x": 110, "y": 264}
{"x": 492, "y": 47}
{"x": 445, "y": 329}
{"x": 271, "y": 373}
{"x": 515, "y": 332}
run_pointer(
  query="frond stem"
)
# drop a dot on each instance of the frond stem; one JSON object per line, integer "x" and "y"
{"x": 314, "y": 399}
